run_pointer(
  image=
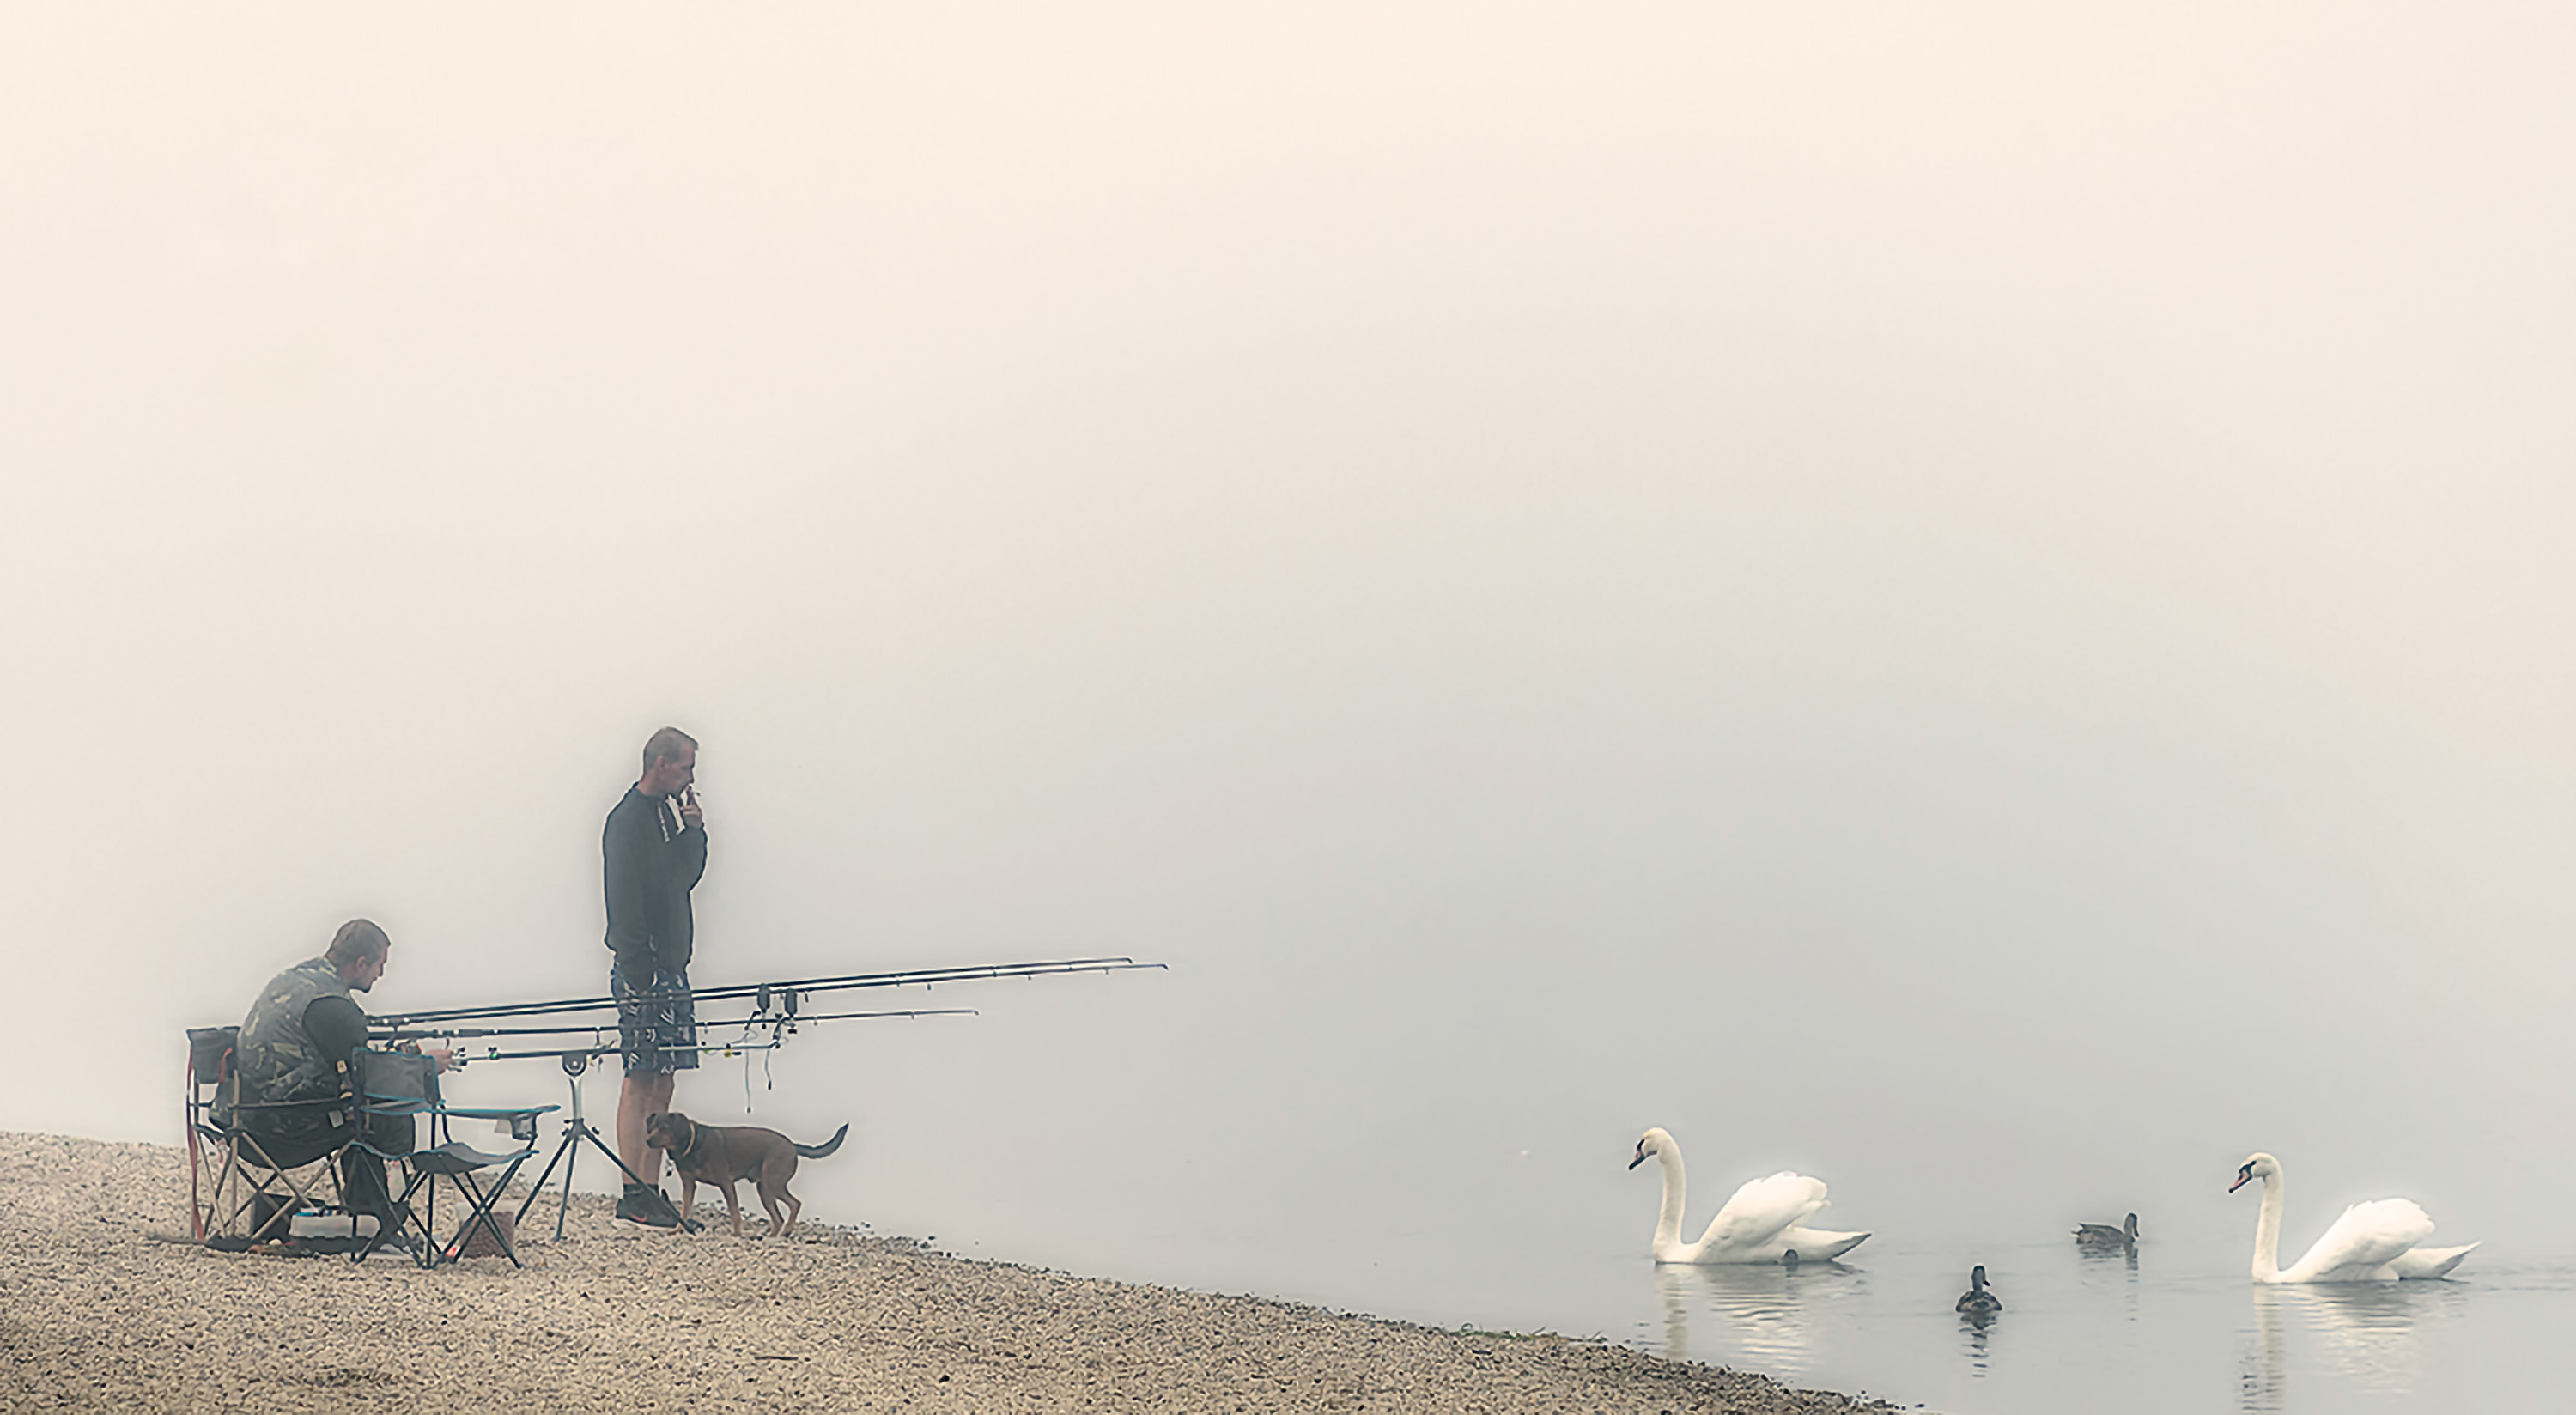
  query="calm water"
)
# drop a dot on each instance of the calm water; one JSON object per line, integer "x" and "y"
{"x": 2115, "y": 1333}
{"x": 1468, "y": 1206}
{"x": 1512, "y": 1206}
{"x": 2177, "y": 1327}
{"x": 2160, "y": 1331}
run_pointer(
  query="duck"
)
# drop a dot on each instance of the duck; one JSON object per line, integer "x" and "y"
{"x": 1979, "y": 1300}
{"x": 2106, "y": 1235}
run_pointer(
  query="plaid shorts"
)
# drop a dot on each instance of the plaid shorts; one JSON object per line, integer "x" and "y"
{"x": 656, "y": 1024}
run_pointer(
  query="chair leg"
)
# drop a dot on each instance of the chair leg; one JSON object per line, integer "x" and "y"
{"x": 480, "y": 1203}
{"x": 235, "y": 1190}
{"x": 228, "y": 1180}
{"x": 391, "y": 1224}
{"x": 248, "y": 1154}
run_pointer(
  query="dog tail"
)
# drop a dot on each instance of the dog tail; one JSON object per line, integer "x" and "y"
{"x": 815, "y": 1152}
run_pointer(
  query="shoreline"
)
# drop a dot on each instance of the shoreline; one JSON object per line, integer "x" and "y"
{"x": 115, "y": 1309}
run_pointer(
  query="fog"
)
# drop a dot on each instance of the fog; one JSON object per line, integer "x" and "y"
{"x": 1973, "y": 601}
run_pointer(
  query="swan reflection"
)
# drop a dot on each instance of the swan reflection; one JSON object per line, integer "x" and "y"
{"x": 2264, "y": 1381}
{"x": 2364, "y": 1332}
{"x": 1763, "y": 1311}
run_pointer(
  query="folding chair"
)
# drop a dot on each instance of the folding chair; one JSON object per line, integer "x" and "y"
{"x": 404, "y": 1085}
{"x": 210, "y": 1054}
{"x": 243, "y": 1188}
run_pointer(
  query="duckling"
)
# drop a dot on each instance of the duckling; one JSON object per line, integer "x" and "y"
{"x": 1977, "y": 1300}
{"x": 2105, "y": 1234}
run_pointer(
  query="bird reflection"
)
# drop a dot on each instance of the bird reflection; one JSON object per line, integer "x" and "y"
{"x": 1976, "y": 1324}
{"x": 1762, "y": 1310}
{"x": 2365, "y": 1333}
{"x": 1672, "y": 1284}
{"x": 2263, "y": 1384}
{"x": 2366, "y": 1330}
{"x": 2110, "y": 1272}
{"x": 2103, "y": 1255}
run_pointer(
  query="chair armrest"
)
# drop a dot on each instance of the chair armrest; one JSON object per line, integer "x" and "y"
{"x": 327, "y": 1103}
{"x": 522, "y": 1120}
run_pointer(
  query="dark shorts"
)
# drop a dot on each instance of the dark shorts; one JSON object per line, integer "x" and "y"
{"x": 656, "y": 1024}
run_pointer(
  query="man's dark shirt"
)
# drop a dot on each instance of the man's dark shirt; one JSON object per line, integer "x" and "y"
{"x": 336, "y": 1026}
{"x": 651, "y": 864}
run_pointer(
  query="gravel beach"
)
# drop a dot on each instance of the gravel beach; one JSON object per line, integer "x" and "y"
{"x": 109, "y": 1307}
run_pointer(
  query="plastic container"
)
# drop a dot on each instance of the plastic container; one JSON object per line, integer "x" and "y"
{"x": 332, "y": 1226}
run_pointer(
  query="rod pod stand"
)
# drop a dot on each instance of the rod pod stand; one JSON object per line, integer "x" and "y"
{"x": 576, "y": 1129}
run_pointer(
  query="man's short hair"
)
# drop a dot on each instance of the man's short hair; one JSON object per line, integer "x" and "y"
{"x": 358, "y": 941}
{"x": 666, "y": 744}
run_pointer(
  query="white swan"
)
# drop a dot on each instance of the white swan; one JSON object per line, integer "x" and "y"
{"x": 1759, "y": 1225}
{"x": 2372, "y": 1242}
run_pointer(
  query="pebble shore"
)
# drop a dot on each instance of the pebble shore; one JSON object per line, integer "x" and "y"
{"x": 109, "y": 1307}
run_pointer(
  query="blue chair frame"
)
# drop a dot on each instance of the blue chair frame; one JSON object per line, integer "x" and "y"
{"x": 404, "y": 1085}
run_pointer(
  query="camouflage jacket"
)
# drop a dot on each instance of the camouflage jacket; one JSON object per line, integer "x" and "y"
{"x": 276, "y": 1062}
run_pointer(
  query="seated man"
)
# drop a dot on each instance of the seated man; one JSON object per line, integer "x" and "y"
{"x": 293, "y": 1052}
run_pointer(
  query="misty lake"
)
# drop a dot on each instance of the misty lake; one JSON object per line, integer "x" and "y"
{"x": 2168, "y": 1331}
{"x": 2176, "y": 1327}
{"x": 1425, "y": 1151}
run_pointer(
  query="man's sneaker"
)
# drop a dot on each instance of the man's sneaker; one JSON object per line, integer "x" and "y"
{"x": 649, "y": 1208}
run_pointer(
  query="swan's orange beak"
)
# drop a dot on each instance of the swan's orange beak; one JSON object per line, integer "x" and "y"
{"x": 2242, "y": 1176}
{"x": 1640, "y": 1159}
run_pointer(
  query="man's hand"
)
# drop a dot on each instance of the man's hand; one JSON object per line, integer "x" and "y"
{"x": 691, "y": 817}
{"x": 444, "y": 1056}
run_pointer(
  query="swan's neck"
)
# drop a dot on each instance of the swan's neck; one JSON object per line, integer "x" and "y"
{"x": 2267, "y": 1232}
{"x": 1668, "y": 1226}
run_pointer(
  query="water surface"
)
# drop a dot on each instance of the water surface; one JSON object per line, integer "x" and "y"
{"x": 2152, "y": 1331}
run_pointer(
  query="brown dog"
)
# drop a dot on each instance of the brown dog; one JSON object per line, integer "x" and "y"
{"x": 725, "y": 1155}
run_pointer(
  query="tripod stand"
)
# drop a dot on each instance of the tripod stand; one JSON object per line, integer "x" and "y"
{"x": 576, "y": 1129}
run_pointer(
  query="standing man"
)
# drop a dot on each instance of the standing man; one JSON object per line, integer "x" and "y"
{"x": 653, "y": 858}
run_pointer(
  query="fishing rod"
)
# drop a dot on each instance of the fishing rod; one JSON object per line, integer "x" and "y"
{"x": 782, "y": 994}
{"x": 423, "y": 1034}
{"x": 780, "y": 1029}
